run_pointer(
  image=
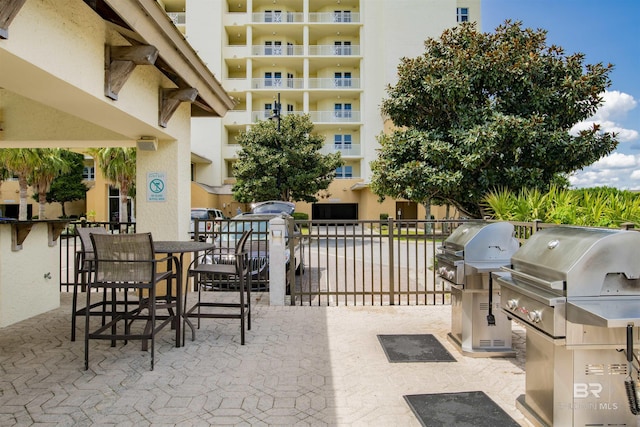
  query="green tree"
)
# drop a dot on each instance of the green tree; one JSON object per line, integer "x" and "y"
{"x": 4, "y": 172}
{"x": 68, "y": 187}
{"x": 118, "y": 165}
{"x": 22, "y": 162}
{"x": 479, "y": 111}
{"x": 283, "y": 164}
{"x": 51, "y": 164}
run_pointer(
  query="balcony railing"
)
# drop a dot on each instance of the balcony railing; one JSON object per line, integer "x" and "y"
{"x": 298, "y": 50}
{"x": 277, "y": 17}
{"x": 341, "y": 116}
{"x": 344, "y": 149}
{"x": 294, "y": 83}
{"x": 345, "y": 17}
{"x": 332, "y": 50}
{"x": 334, "y": 83}
{"x": 277, "y": 83}
{"x": 350, "y": 116}
{"x": 334, "y": 17}
{"x": 288, "y": 50}
{"x": 268, "y": 114}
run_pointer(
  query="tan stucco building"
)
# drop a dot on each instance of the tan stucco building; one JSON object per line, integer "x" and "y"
{"x": 331, "y": 59}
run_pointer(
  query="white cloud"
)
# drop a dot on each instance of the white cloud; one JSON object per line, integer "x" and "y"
{"x": 616, "y": 170}
{"x": 616, "y": 161}
{"x": 614, "y": 108}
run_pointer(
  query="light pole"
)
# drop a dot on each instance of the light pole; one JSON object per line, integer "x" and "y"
{"x": 276, "y": 111}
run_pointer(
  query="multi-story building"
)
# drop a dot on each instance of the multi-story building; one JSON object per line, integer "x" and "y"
{"x": 331, "y": 59}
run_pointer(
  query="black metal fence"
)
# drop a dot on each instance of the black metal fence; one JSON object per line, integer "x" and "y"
{"x": 70, "y": 245}
{"x": 365, "y": 262}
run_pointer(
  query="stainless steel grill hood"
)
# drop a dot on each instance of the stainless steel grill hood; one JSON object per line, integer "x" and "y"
{"x": 580, "y": 261}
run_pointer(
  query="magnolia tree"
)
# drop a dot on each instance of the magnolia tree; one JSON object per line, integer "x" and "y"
{"x": 479, "y": 111}
{"x": 283, "y": 164}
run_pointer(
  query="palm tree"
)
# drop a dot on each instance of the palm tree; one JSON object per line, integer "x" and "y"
{"x": 51, "y": 165}
{"x": 118, "y": 165}
{"x": 22, "y": 162}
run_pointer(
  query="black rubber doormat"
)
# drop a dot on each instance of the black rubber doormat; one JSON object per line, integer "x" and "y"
{"x": 466, "y": 409}
{"x": 414, "y": 348}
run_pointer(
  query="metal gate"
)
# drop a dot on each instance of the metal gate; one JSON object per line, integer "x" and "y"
{"x": 369, "y": 262}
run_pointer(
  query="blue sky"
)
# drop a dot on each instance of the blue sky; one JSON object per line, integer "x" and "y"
{"x": 605, "y": 31}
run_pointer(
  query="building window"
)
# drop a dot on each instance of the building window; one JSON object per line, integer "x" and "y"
{"x": 342, "y": 142}
{"x": 344, "y": 172}
{"x": 342, "y": 48}
{"x": 342, "y": 111}
{"x": 114, "y": 205}
{"x": 272, "y": 16}
{"x": 89, "y": 173}
{"x": 462, "y": 14}
{"x": 342, "y": 79}
{"x": 342, "y": 16}
{"x": 230, "y": 168}
{"x": 273, "y": 48}
{"x": 272, "y": 79}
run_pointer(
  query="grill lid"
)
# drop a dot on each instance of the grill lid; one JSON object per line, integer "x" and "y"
{"x": 589, "y": 261}
{"x": 482, "y": 241}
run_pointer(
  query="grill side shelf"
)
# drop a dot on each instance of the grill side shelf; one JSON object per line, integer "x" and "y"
{"x": 612, "y": 312}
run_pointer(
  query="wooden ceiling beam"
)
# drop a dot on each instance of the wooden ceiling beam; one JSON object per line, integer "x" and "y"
{"x": 170, "y": 99}
{"x": 8, "y": 10}
{"x": 120, "y": 61}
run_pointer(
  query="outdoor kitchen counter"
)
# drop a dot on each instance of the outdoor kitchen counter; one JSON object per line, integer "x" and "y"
{"x": 29, "y": 268}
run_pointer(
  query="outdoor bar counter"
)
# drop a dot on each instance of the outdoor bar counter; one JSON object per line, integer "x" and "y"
{"x": 29, "y": 268}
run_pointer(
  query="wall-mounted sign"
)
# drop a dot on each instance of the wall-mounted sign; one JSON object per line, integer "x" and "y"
{"x": 156, "y": 188}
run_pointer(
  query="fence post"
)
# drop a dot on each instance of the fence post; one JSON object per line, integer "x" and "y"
{"x": 277, "y": 267}
{"x": 392, "y": 291}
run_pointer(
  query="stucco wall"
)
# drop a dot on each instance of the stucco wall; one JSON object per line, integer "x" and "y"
{"x": 29, "y": 278}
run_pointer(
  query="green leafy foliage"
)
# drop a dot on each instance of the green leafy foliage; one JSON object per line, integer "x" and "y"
{"x": 593, "y": 207}
{"x": 68, "y": 187}
{"x": 118, "y": 165}
{"x": 282, "y": 165}
{"x": 479, "y": 111}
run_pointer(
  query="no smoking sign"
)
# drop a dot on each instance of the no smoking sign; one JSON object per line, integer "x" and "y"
{"x": 156, "y": 188}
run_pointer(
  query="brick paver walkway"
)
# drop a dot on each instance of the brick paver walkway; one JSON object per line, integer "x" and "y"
{"x": 300, "y": 366}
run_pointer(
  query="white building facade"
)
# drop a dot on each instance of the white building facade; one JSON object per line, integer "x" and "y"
{"x": 331, "y": 59}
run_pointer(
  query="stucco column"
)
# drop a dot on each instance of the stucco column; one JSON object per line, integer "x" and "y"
{"x": 163, "y": 188}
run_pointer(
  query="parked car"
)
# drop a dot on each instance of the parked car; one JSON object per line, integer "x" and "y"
{"x": 208, "y": 224}
{"x": 231, "y": 231}
{"x": 273, "y": 207}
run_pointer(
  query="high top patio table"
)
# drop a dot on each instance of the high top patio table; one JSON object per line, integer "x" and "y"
{"x": 181, "y": 247}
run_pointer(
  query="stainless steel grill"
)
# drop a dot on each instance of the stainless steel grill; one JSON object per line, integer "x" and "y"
{"x": 577, "y": 291}
{"x": 465, "y": 262}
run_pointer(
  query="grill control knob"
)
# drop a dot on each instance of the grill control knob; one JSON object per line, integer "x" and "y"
{"x": 512, "y": 304}
{"x": 451, "y": 275}
{"x": 535, "y": 316}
